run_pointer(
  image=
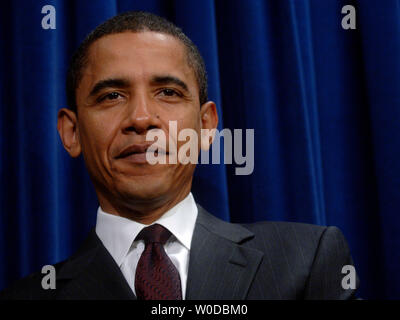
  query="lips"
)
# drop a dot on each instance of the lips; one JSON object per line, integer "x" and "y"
{"x": 137, "y": 152}
{"x": 133, "y": 149}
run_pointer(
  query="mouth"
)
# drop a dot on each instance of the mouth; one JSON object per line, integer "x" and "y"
{"x": 138, "y": 153}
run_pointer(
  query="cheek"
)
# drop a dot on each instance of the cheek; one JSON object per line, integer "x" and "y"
{"x": 96, "y": 136}
{"x": 188, "y": 142}
{"x": 181, "y": 126}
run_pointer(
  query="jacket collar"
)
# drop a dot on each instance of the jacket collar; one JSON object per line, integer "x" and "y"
{"x": 220, "y": 265}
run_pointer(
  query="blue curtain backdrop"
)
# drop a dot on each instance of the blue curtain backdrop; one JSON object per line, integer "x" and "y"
{"x": 324, "y": 103}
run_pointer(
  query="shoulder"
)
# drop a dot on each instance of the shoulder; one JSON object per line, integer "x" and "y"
{"x": 312, "y": 256}
{"x": 29, "y": 287}
{"x": 272, "y": 234}
{"x": 288, "y": 231}
{"x": 283, "y": 227}
{"x": 301, "y": 236}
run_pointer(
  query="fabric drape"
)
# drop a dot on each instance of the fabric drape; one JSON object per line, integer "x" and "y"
{"x": 324, "y": 103}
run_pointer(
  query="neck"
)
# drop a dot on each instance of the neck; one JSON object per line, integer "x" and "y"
{"x": 144, "y": 211}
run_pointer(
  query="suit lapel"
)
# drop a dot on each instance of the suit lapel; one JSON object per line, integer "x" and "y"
{"x": 93, "y": 274}
{"x": 220, "y": 267}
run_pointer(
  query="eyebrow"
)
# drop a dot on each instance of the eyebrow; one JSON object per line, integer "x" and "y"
{"x": 109, "y": 83}
{"x": 168, "y": 79}
{"x": 124, "y": 83}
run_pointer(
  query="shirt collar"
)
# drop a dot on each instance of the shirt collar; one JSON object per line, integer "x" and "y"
{"x": 118, "y": 233}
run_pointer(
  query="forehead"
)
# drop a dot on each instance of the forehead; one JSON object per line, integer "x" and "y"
{"x": 137, "y": 55}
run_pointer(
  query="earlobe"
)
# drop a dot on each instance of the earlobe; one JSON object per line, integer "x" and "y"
{"x": 67, "y": 126}
{"x": 209, "y": 123}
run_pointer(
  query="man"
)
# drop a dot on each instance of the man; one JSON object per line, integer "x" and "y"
{"x": 133, "y": 75}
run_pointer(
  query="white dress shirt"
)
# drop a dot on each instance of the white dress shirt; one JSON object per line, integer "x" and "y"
{"x": 118, "y": 235}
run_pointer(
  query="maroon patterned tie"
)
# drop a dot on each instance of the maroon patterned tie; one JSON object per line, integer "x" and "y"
{"x": 156, "y": 276}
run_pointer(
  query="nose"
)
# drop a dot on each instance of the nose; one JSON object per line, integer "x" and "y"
{"x": 140, "y": 116}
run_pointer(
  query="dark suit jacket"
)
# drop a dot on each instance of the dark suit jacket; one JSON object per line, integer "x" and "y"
{"x": 267, "y": 260}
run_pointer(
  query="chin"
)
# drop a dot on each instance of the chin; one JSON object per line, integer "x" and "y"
{"x": 145, "y": 190}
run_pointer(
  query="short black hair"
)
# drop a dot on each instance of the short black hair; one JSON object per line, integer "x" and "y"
{"x": 133, "y": 21}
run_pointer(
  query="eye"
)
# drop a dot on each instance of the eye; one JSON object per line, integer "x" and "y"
{"x": 110, "y": 96}
{"x": 170, "y": 92}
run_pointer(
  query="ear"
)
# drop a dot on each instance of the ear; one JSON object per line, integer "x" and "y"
{"x": 209, "y": 123}
{"x": 67, "y": 126}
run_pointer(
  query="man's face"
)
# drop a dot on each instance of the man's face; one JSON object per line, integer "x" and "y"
{"x": 134, "y": 83}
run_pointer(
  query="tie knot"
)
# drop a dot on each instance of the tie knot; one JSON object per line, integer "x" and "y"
{"x": 154, "y": 233}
